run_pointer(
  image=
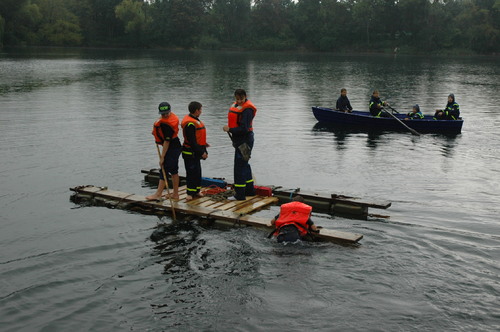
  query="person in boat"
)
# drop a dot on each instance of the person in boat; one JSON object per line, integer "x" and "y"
{"x": 450, "y": 112}
{"x": 165, "y": 131}
{"x": 194, "y": 149}
{"x": 240, "y": 130}
{"x": 377, "y": 105}
{"x": 294, "y": 221}
{"x": 343, "y": 103}
{"x": 415, "y": 113}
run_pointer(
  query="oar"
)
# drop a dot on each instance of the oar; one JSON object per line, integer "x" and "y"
{"x": 166, "y": 183}
{"x": 413, "y": 131}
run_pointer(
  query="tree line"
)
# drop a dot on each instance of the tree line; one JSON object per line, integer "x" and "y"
{"x": 412, "y": 26}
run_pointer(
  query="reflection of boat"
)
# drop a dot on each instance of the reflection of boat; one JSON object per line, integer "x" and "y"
{"x": 364, "y": 120}
{"x": 342, "y": 132}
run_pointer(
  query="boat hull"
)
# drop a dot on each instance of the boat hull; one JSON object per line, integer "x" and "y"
{"x": 364, "y": 120}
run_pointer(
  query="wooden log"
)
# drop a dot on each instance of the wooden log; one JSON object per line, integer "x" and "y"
{"x": 343, "y": 208}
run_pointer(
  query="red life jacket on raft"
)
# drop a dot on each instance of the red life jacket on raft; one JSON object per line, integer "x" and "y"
{"x": 234, "y": 115}
{"x": 201, "y": 132}
{"x": 294, "y": 213}
{"x": 172, "y": 121}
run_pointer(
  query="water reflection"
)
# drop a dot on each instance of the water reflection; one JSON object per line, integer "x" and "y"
{"x": 342, "y": 132}
{"x": 448, "y": 145}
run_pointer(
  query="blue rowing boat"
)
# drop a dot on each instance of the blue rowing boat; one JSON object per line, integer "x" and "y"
{"x": 365, "y": 120}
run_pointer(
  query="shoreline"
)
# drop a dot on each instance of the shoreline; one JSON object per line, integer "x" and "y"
{"x": 352, "y": 52}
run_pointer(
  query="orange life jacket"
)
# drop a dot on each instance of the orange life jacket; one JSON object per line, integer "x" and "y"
{"x": 201, "y": 132}
{"x": 234, "y": 115}
{"x": 172, "y": 121}
{"x": 294, "y": 213}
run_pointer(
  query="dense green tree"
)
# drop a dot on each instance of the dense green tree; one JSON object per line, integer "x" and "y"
{"x": 363, "y": 21}
{"x": 58, "y": 24}
{"x": 478, "y": 28}
{"x": 2, "y": 29}
{"x": 100, "y": 26}
{"x": 61, "y": 33}
{"x": 270, "y": 24}
{"x": 13, "y": 15}
{"x": 179, "y": 22}
{"x": 231, "y": 21}
{"x": 451, "y": 26}
{"x": 27, "y": 20}
{"x": 307, "y": 23}
{"x": 336, "y": 26}
{"x": 412, "y": 15}
{"x": 133, "y": 16}
{"x": 8, "y": 8}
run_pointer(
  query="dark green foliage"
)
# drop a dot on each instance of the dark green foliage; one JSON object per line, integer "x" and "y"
{"x": 451, "y": 26}
{"x": 2, "y": 28}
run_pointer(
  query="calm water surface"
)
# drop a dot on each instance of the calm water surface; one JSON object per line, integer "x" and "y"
{"x": 76, "y": 117}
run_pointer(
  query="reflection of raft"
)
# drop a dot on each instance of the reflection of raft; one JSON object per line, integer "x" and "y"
{"x": 334, "y": 204}
{"x": 235, "y": 212}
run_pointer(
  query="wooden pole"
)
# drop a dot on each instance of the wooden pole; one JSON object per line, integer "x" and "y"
{"x": 413, "y": 131}
{"x": 166, "y": 183}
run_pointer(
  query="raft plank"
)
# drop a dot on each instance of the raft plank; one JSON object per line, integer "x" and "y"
{"x": 199, "y": 200}
{"x": 210, "y": 203}
{"x": 216, "y": 204}
{"x": 233, "y": 204}
{"x": 213, "y": 204}
{"x": 237, "y": 218}
{"x": 257, "y": 205}
{"x": 249, "y": 201}
{"x": 330, "y": 234}
{"x": 191, "y": 209}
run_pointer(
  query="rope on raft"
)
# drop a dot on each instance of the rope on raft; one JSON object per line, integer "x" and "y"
{"x": 217, "y": 193}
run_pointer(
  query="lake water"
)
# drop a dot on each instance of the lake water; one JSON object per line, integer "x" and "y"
{"x": 76, "y": 117}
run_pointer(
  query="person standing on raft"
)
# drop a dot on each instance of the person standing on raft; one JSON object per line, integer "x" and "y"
{"x": 239, "y": 128}
{"x": 165, "y": 131}
{"x": 294, "y": 221}
{"x": 194, "y": 149}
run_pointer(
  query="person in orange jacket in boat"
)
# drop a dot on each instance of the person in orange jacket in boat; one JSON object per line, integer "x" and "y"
{"x": 165, "y": 131}
{"x": 294, "y": 221}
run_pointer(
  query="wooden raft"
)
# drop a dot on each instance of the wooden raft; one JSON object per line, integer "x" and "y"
{"x": 347, "y": 206}
{"x": 236, "y": 212}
